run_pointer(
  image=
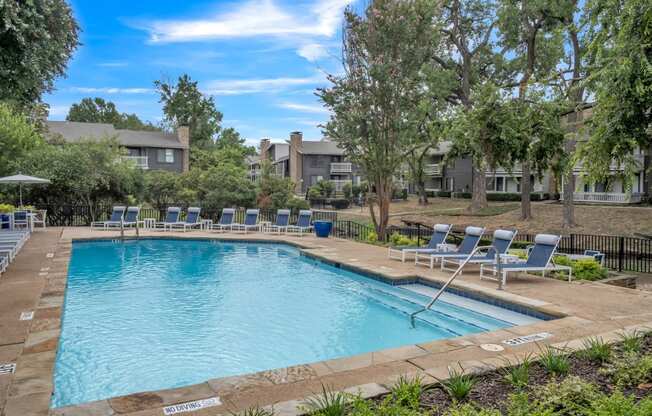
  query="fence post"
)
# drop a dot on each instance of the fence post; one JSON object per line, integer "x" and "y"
{"x": 572, "y": 243}
{"x": 621, "y": 253}
{"x": 418, "y": 234}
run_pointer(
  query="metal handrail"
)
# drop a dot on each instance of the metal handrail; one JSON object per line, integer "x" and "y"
{"x": 457, "y": 273}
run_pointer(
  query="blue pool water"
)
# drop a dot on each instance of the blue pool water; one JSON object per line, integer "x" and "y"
{"x": 155, "y": 314}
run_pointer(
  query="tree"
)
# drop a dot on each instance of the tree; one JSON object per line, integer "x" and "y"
{"x": 385, "y": 51}
{"x": 162, "y": 188}
{"x": 530, "y": 30}
{"x": 469, "y": 55}
{"x": 185, "y": 105}
{"x": 37, "y": 38}
{"x": 97, "y": 110}
{"x": 273, "y": 191}
{"x": 226, "y": 185}
{"x": 620, "y": 61}
{"x": 18, "y": 137}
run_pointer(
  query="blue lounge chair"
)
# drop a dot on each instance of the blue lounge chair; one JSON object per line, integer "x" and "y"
{"x": 502, "y": 241}
{"x": 472, "y": 236}
{"x": 226, "y": 220}
{"x": 171, "y": 218}
{"x": 439, "y": 235}
{"x": 282, "y": 222}
{"x": 539, "y": 260}
{"x": 250, "y": 222}
{"x": 131, "y": 217}
{"x": 304, "y": 223}
{"x": 117, "y": 216}
{"x": 193, "y": 220}
{"x": 22, "y": 220}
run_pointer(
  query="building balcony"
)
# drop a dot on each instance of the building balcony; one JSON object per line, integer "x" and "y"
{"x": 614, "y": 167}
{"x": 337, "y": 168}
{"x": 432, "y": 169}
{"x": 606, "y": 197}
{"x": 499, "y": 171}
{"x": 140, "y": 161}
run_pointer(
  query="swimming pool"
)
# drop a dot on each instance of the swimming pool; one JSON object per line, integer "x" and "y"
{"x": 153, "y": 314}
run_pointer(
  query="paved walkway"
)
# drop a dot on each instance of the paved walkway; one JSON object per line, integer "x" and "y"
{"x": 36, "y": 282}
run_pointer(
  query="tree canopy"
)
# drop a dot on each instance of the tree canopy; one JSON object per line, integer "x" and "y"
{"x": 97, "y": 110}
{"x": 18, "y": 137}
{"x": 37, "y": 38}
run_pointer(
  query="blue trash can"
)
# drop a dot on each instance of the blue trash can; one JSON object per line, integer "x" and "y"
{"x": 323, "y": 228}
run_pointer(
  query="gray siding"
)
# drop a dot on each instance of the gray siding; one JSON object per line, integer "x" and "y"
{"x": 152, "y": 158}
{"x": 461, "y": 170}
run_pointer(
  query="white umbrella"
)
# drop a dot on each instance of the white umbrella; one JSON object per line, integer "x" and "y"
{"x": 20, "y": 180}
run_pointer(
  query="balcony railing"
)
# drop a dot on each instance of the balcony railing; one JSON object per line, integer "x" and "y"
{"x": 139, "y": 161}
{"x": 517, "y": 170}
{"x": 614, "y": 167}
{"x": 339, "y": 184}
{"x": 432, "y": 169}
{"x": 608, "y": 197}
{"x": 341, "y": 168}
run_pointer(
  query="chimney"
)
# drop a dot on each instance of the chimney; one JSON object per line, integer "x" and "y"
{"x": 296, "y": 160}
{"x": 265, "y": 144}
{"x": 183, "y": 134}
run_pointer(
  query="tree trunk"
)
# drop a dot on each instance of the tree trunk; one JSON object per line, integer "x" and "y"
{"x": 421, "y": 189}
{"x": 526, "y": 209}
{"x": 569, "y": 206}
{"x": 384, "y": 193}
{"x": 479, "y": 194}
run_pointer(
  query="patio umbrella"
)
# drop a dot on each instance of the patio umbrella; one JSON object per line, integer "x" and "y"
{"x": 20, "y": 180}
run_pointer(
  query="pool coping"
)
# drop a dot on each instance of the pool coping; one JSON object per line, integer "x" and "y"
{"x": 369, "y": 374}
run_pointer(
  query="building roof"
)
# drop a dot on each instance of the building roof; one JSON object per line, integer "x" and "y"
{"x": 322, "y": 147}
{"x": 73, "y": 131}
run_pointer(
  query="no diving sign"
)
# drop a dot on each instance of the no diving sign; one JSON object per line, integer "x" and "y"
{"x": 191, "y": 406}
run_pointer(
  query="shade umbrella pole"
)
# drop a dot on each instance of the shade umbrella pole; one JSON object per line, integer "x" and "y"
{"x": 20, "y": 192}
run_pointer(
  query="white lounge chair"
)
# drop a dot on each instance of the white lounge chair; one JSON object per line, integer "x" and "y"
{"x": 226, "y": 220}
{"x": 438, "y": 238}
{"x": 540, "y": 259}
{"x": 117, "y": 216}
{"x": 193, "y": 220}
{"x": 502, "y": 241}
{"x": 171, "y": 218}
{"x": 472, "y": 236}
{"x": 304, "y": 223}
{"x": 250, "y": 222}
{"x": 282, "y": 222}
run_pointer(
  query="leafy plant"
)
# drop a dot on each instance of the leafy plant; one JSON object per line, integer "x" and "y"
{"x": 572, "y": 396}
{"x": 407, "y": 392}
{"x": 596, "y": 350}
{"x": 518, "y": 375}
{"x": 470, "y": 410}
{"x": 372, "y": 237}
{"x": 631, "y": 342}
{"x": 459, "y": 384}
{"x": 397, "y": 239}
{"x": 255, "y": 411}
{"x": 328, "y": 403}
{"x": 555, "y": 361}
{"x": 583, "y": 269}
{"x": 618, "y": 404}
{"x": 7, "y": 208}
{"x": 630, "y": 370}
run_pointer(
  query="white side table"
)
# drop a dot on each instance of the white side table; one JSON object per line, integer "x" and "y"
{"x": 149, "y": 223}
{"x": 206, "y": 225}
{"x": 264, "y": 225}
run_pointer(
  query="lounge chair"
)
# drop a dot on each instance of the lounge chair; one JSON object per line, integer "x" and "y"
{"x": 502, "y": 241}
{"x": 193, "y": 220}
{"x": 171, "y": 218}
{"x": 303, "y": 224}
{"x": 226, "y": 220}
{"x": 131, "y": 217}
{"x": 4, "y": 262}
{"x": 472, "y": 236}
{"x": 40, "y": 217}
{"x": 117, "y": 216}
{"x": 539, "y": 260}
{"x": 11, "y": 242}
{"x": 250, "y": 222}
{"x": 22, "y": 220}
{"x": 438, "y": 238}
{"x": 282, "y": 222}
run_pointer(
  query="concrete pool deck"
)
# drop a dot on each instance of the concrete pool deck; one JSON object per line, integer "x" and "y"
{"x": 36, "y": 280}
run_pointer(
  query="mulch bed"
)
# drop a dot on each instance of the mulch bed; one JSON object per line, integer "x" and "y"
{"x": 492, "y": 390}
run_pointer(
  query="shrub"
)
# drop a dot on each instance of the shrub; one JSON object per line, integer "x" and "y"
{"x": 314, "y": 193}
{"x": 397, "y": 239}
{"x": 444, "y": 194}
{"x": 325, "y": 188}
{"x": 255, "y": 411}
{"x": 518, "y": 375}
{"x": 631, "y": 342}
{"x": 328, "y": 403}
{"x": 372, "y": 237}
{"x": 583, "y": 269}
{"x": 503, "y": 196}
{"x": 347, "y": 190}
{"x": 458, "y": 385}
{"x": 555, "y": 361}
{"x": 470, "y": 410}
{"x": 462, "y": 195}
{"x": 7, "y": 208}
{"x": 618, "y": 404}
{"x": 595, "y": 349}
{"x": 630, "y": 370}
{"x": 407, "y": 392}
{"x": 572, "y": 396}
{"x": 340, "y": 203}
{"x": 296, "y": 204}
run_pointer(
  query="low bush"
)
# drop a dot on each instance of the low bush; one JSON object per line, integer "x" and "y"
{"x": 518, "y": 375}
{"x": 462, "y": 195}
{"x": 596, "y": 350}
{"x": 631, "y": 341}
{"x": 340, "y": 203}
{"x": 328, "y": 403}
{"x": 583, "y": 269}
{"x": 459, "y": 384}
{"x": 372, "y": 237}
{"x": 7, "y": 208}
{"x": 296, "y": 204}
{"x": 407, "y": 392}
{"x": 397, "y": 239}
{"x": 630, "y": 370}
{"x": 569, "y": 397}
{"x": 555, "y": 361}
{"x": 443, "y": 194}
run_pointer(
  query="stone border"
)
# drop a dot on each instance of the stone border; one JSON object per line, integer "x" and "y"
{"x": 283, "y": 389}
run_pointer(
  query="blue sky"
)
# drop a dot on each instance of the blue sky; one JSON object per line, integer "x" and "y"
{"x": 260, "y": 59}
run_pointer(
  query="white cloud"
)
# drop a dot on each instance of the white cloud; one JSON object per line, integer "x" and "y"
{"x": 304, "y": 108}
{"x": 253, "y": 18}
{"x": 312, "y": 51}
{"x": 110, "y": 90}
{"x": 58, "y": 111}
{"x": 254, "y": 86}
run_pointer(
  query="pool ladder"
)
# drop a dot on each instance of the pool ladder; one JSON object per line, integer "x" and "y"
{"x": 122, "y": 230}
{"x": 457, "y": 273}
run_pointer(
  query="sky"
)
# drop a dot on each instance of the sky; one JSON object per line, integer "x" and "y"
{"x": 260, "y": 59}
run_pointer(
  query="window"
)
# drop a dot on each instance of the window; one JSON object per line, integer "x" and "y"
{"x": 314, "y": 179}
{"x": 165, "y": 156}
{"x": 500, "y": 184}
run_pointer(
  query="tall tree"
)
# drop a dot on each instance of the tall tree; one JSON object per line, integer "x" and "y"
{"x": 185, "y": 105}
{"x": 468, "y": 28}
{"x": 98, "y": 110}
{"x": 530, "y": 29}
{"x": 37, "y": 38}
{"x": 620, "y": 61}
{"x": 385, "y": 51}
{"x": 18, "y": 137}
